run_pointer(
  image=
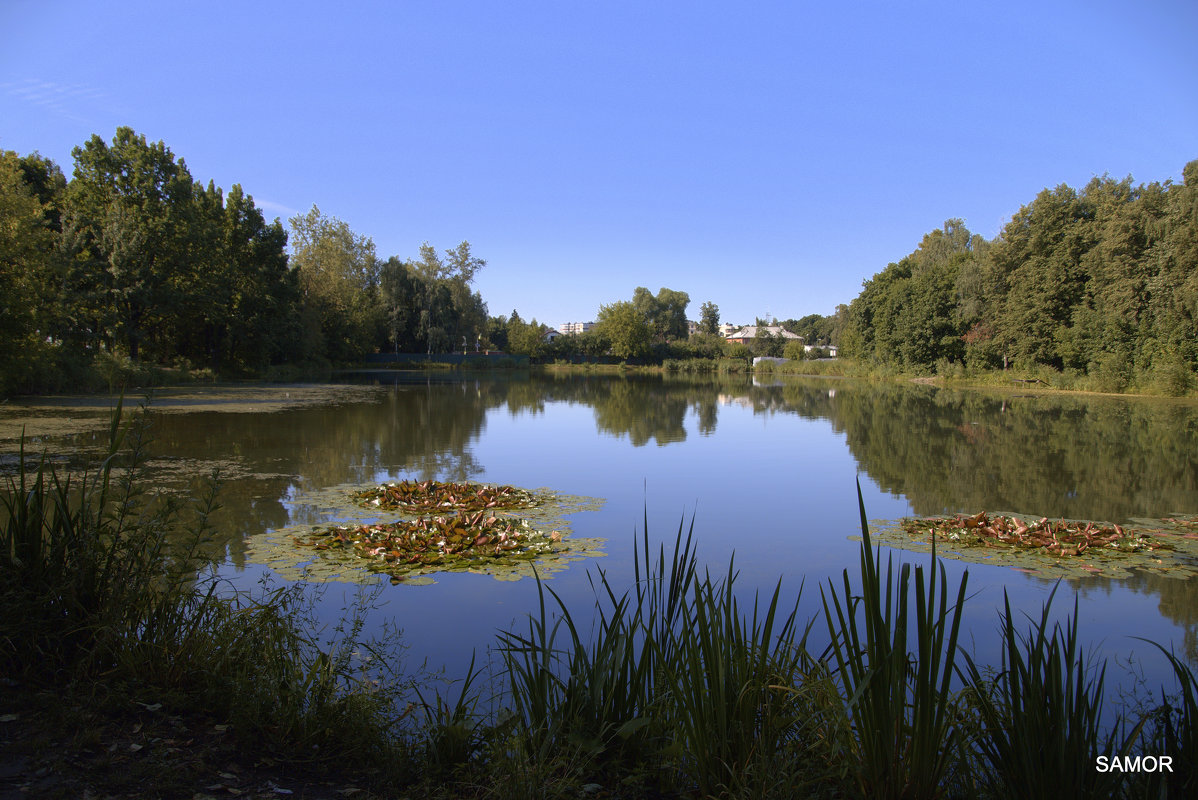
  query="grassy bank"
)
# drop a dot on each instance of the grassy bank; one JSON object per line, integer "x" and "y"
{"x": 137, "y": 663}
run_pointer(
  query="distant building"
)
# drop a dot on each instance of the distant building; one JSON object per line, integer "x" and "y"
{"x": 747, "y": 334}
{"x": 727, "y": 329}
{"x": 573, "y": 328}
{"x": 692, "y": 327}
{"x": 551, "y": 334}
{"x": 830, "y": 349}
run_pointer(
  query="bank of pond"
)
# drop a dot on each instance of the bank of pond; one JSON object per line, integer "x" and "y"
{"x": 672, "y": 684}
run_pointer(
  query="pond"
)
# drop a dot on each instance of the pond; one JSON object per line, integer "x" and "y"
{"x": 767, "y": 471}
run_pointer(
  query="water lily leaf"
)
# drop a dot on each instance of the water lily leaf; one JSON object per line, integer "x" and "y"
{"x": 355, "y": 545}
{"x": 1060, "y": 546}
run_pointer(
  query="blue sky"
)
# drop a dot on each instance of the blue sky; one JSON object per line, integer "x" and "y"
{"x": 766, "y": 156}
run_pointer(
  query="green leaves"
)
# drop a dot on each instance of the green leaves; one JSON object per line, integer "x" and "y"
{"x": 899, "y": 701}
{"x": 1099, "y": 281}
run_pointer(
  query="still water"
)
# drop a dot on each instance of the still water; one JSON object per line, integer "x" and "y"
{"x": 768, "y": 472}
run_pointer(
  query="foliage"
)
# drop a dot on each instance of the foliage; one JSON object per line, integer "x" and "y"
{"x": 665, "y": 313}
{"x": 459, "y": 542}
{"x": 1042, "y": 716}
{"x": 338, "y": 271}
{"x": 902, "y": 711}
{"x": 99, "y": 591}
{"x": 709, "y": 318}
{"x": 625, "y": 328}
{"x": 136, "y": 259}
{"x": 1056, "y": 537}
{"x": 1101, "y": 281}
{"x": 26, "y": 276}
{"x": 438, "y": 496}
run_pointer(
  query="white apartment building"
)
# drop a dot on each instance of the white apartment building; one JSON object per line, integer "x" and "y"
{"x": 571, "y": 328}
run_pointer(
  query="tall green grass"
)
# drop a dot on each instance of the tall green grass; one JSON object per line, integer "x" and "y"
{"x": 1173, "y": 731}
{"x": 101, "y": 587}
{"x": 674, "y": 682}
{"x": 899, "y": 700}
{"x": 1042, "y": 727}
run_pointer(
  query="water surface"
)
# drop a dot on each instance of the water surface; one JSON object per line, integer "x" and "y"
{"x": 768, "y": 472}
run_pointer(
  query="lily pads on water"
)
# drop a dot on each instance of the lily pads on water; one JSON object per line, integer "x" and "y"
{"x": 444, "y": 527}
{"x": 1054, "y": 547}
{"x": 438, "y": 496}
{"x": 457, "y": 542}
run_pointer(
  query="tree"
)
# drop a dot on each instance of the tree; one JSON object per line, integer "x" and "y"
{"x": 131, "y": 216}
{"x": 464, "y": 317}
{"x": 671, "y": 314}
{"x": 766, "y": 343}
{"x": 263, "y": 323}
{"x": 404, "y": 294}
{"x": 26, "y": 253}
{"x": 794, "y": 350}
{"x": 624, "y": 326}
{"x": 339, "y": 282}
{"x": 709, "y": 318}
{"x": 526, "y": 338}
{"x": 665, "y": 313}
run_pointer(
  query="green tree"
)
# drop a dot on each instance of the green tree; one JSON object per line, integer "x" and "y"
{"x": 452, "y": 314}
{"x": 765, "y": 343}
{"x": 338, "y": 276}
{"x": 404, "y": 295}
{"x": 624, "y": 326}
{"x": 262, "y": 324}
{"x": 794, "y": 350}
{"x": 709, "y": 318}
{"x": 26, "y": 259}
{"x": 526, "y": 338}
{"x": 131, "y": 211}
{"x": 665, "y": 313}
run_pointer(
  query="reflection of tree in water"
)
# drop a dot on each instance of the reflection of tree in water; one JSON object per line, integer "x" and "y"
{"x": 1177, "y": 600}
{"x": 422, "y": 430}
{"x": 1078, "y": 457}
{"x": 644, "y": 410}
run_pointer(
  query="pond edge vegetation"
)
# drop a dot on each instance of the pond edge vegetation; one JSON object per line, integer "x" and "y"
{"x": 676, "y": 686}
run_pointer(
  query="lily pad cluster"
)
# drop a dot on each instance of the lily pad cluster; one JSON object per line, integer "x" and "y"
{"x": 449, "y": 527}
{"x": 438, "y": 496}
{"x": 1055, "y": 537}
{"x": 458, "y": 541}
{"x": 1054, "y": 547}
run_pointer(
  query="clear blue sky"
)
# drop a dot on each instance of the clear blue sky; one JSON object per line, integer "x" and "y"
{"x": 766, "y": 156}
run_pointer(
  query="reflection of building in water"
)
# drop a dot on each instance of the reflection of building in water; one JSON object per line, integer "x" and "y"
{"x": 740, "y": 400}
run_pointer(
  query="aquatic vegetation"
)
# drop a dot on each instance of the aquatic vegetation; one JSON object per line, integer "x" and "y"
{"x": 346, "y": 537}
{"x": 1056, "y": 547}
{"x": 448, "y": 542}
{"x": 1056, "y": 537}
{"x": 438, "y": 496}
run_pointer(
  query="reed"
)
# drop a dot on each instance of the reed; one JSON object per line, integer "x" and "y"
{"x": 1042, "y": 728}
{"x": 675, "y": 681}
{"x": 900, "y": 704}
{"x": 101, "y": 588}
{"x": 1174, "y": 732}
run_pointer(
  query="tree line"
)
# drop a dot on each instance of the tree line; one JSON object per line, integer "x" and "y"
{"x": 134, "y": 260}
{"x": 1101, "y": 282}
